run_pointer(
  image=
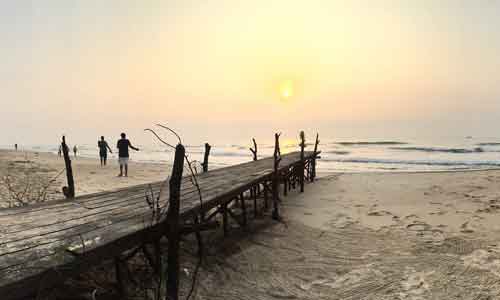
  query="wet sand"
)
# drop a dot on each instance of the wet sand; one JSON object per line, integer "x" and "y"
{"x": 349, "y": 236}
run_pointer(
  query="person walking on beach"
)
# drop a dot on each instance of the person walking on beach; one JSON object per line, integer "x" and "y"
{"x": 103, "y": 150}
{"x": 75, "y": 150}
{"x": 15, "y": 146}
{"x": 59, "y": 152}
{"x": 123, "y": 155}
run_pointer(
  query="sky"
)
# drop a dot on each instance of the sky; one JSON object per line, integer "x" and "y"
{"x": 223, "y": 70}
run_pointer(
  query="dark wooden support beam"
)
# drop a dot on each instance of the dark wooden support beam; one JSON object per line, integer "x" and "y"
{"x": 276, "y": 175}
{"x": 254, "y": 150}
{"x": 266, "y": 196}
{"x": 199, "y": 238}
{"x": 243, "y": 209}
{"x": 68, "y": 191}
{"x": 204, "y": 164}
{"x": 313, "y": 161}
{"x": 224, "y": 218}
{"x": 302, "y": 162}
{"x": 173, "y": 222}
{"x": 255, "y": 201}
{"x": 119, "y": 279}
{"x": 285, "y": 186}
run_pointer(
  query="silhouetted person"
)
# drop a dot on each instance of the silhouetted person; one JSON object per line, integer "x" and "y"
{"x": 103, "y": 150}
{"x": 123, "y": 145}
{"x": 59, "y": 152}
{"x": 15, "y": 146}
{"x": 75, "y": 150}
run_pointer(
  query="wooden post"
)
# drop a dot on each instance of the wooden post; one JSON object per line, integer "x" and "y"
{"x": 275, "y": 181}
{"x": 255, "y": 202}
{"x": 266, "y": 198}
{"x": 313, "y": 162}
{"x": 199, "y": 238}
{"x": 302, "y": 162}
{"x": 243, "y": 209}
{"x": 254, "y": 150}
{"x": 224, "y": 218}
{"x": 119, "y": 279}
{"x": 205, "y": 157}
{"x": 285, "y": 186}
{"x": 173, "y": 224}
{"x": 68, "y": 191}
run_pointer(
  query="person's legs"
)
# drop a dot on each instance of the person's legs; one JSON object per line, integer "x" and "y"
{"x": 126, "y": 170}
{"x": 102, "y": 161}
{"x": 105, "y": 158}
{"x": 120, "y": 161}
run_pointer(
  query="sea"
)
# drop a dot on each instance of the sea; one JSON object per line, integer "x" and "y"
{"x": 337, "y": 155}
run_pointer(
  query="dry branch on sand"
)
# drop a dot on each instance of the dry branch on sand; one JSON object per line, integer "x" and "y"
{"x": 26, "y": 182}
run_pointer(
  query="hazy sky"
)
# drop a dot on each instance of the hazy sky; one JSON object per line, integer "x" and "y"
{"x": 216, "y": 70}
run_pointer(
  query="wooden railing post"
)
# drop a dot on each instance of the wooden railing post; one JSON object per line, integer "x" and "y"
{"x": 254, "y": 150}
{"x": 173, "y": 229}
{"x": 205, "y": 157}
{"x": 276, "y": 177}
{"x": 302, "y": 162}
{"x": 68, "y": 191}
{"x": 313, "y": 162}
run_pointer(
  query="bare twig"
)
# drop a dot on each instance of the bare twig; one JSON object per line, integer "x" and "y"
{"x": 171, "y": 130}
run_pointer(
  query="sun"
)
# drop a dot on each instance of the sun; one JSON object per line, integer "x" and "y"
{"x": 286, "y": 89}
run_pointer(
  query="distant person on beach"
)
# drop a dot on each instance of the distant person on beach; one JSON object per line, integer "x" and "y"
{"x": 103, "y": 150}
{"x": 123, "y": 155}
{"x": 15, "y": 146}
{"x": 59, "y": 152}
{"x": 75, "y": 149}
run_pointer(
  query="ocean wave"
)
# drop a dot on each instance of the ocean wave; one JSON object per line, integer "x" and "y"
{"x": 416, "y": 162}
{"x": 234, "y": 154}
{"x": 489, "y": 144}
{"x": 338, "y": 152}
{"x": 381, "y": 143}
{"x": 444, "y": 150}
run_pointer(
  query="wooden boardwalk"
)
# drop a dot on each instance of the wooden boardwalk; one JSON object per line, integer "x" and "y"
{"x": 42, "y": 245}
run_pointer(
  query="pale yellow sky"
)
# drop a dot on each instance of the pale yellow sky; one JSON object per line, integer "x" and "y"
{"x": 218, "y": 67}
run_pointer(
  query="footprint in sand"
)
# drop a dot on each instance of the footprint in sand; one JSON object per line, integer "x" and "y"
{"x": 379, "y": 213}
{"x": 466, "y": 228}
{"x": 426, "y": 232}
{"x": 412, "y": 216}
{"x": 415, "y": 284}
{"x": 439, "y": 213}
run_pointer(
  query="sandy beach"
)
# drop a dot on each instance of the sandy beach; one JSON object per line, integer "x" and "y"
{"x": 349, "y": 236}
{"x": 37, "y": 169}
{"x": 371, "y": 236}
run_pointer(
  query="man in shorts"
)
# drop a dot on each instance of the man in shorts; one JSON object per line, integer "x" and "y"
{"x": 103, "y": 150}
{"x": 123, "y": 145}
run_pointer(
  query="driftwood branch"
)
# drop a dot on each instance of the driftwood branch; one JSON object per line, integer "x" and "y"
{"x": 68, "y": 191}
{"x": 205, "y": 157}
{"x": 254, "y": 150}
